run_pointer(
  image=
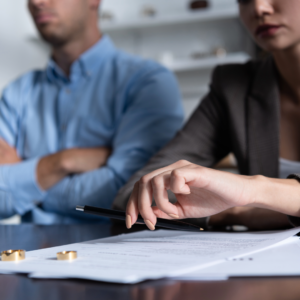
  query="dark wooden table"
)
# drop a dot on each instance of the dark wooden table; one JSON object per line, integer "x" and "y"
{"x": 31, "y": 237}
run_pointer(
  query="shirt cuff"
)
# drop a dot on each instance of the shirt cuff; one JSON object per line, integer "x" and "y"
{"x": 20, "y": 180}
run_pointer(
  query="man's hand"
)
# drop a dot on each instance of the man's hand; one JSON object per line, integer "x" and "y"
{"x": 84, "y": 160}
{"x": 53, "y": 168}
{"x": 8, "y": 154}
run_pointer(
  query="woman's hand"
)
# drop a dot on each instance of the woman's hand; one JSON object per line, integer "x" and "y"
{"x": 200, "y": 192}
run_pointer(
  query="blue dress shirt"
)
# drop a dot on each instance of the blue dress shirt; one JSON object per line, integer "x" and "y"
{"x": 110, "y": 99}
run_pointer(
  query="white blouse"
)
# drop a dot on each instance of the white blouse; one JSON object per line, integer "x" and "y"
{"x": 288, "y": 167}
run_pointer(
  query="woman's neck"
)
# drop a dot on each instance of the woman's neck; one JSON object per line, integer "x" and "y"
{"x": 288, "y": 65}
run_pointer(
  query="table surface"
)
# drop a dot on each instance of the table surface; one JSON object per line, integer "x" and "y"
{"x": 32, "y": 237}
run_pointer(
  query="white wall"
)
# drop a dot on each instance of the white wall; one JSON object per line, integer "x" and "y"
{"x": 175, "y": 33}
{"x": 131, "y": 9}
{"x": 19, "y": 52}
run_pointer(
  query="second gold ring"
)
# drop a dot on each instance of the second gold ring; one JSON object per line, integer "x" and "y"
{"x": 66, "y": 255}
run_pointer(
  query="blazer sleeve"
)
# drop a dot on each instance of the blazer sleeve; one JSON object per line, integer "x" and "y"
{"x": 204, "y": 140}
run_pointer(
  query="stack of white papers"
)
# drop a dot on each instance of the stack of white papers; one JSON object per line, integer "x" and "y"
{"x": 282, "y": 259}
{"x": 145, "y": 255}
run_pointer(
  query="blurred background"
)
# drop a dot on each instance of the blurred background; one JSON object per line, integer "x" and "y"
{"x": 188, "y": 37}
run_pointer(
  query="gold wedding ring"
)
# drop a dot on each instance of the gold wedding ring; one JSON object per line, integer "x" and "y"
{"x": 13, "y": 255}
{"x": 66, "y": 255}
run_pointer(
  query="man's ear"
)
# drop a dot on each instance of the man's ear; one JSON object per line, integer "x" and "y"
{"x": 94, "y": 4}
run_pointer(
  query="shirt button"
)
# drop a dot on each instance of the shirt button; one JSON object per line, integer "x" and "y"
{"x": 63, "y": 128}
{"x": 68, "y": 91}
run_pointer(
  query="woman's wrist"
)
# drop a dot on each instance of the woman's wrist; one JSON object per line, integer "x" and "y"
{"x": 281, "y": 195}
{"x": 258, "y": 194}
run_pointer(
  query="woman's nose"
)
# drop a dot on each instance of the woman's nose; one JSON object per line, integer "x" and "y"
{"x": 263, "y": 7}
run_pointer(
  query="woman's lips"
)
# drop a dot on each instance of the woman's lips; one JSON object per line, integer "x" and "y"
{"x": 267, "y": 30}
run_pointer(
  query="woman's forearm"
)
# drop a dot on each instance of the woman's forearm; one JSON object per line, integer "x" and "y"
{"x": 281, "y": 195}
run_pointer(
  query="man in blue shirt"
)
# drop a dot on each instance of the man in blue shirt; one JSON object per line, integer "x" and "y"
{"x": 75, "y": 132}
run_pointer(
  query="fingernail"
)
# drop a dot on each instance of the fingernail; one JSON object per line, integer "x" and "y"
{"x": 128, "y": 221}
{"x": 149, "y": 225}
{"x": 174, "y": 216}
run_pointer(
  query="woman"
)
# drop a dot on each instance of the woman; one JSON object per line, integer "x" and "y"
{"x": 252, "y": 110}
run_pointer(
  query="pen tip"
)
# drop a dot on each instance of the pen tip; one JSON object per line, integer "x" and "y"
{"x": 80, "y": 208}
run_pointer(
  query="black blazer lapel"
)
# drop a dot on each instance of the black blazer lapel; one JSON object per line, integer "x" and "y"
{"x": 263, "y": 112}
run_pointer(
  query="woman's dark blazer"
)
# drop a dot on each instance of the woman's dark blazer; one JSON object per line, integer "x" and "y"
{"x": 240, "y": 114}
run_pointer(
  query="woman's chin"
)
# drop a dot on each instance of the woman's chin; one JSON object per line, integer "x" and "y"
{"x": 275, "y": 46}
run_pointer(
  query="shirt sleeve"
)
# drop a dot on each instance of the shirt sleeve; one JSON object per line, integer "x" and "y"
{"x": 19, "y": 191}
{"x": 152, "y": 117}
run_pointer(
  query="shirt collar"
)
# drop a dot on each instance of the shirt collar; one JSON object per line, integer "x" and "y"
{"x": 85, "y": 65}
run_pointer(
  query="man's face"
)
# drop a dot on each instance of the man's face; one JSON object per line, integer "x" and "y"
{"x": 59, "y": 21}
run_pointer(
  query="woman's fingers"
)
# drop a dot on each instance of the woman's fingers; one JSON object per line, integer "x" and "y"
{"x": 145, "y": 197}
{"x": 142, "y": 196}
{"x": 182, "y": 178}
{"x": 145, "y": 202}
{"x": 178, "y": 182}
{"x": 160, "y": 185}
{"x": 132, "y": 210}
{"x": 160, "y": 214}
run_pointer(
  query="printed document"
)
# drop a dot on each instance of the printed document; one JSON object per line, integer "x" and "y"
{"x": 136, "y": 257}
{"x": 282, "y": 259}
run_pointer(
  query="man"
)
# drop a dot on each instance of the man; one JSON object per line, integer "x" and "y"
{"x": 74, "y": 133}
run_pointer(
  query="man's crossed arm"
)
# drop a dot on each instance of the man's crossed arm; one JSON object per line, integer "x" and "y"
{"x": 53, "y": 168}
{"x": 8, "y": 154}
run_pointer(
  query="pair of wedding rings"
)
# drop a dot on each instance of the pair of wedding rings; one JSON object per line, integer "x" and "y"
{"x": 18, "y": 255}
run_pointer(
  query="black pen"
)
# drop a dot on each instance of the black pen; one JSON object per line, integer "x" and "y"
{"x": 120, "y": 215}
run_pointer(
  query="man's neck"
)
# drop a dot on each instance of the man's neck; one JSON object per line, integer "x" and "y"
{"x": 65, "y": 55}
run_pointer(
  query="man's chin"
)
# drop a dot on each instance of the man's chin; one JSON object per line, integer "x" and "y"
{"x": 52, "y": 39}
